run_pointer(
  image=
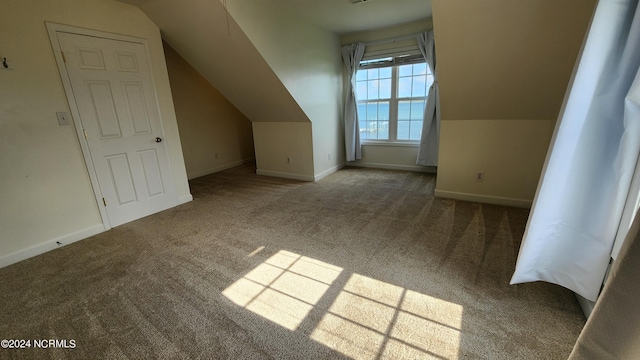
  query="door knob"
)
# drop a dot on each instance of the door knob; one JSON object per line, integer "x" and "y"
{"x": 158, "y": 139}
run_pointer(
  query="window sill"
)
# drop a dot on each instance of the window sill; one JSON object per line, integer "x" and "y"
{"x": 391, "y": 143}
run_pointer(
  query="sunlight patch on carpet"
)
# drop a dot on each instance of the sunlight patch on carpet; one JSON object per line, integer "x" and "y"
{"x": 284, "y": 288}
{"x": 367, "y": 319}
{"x": 372, "y": 319}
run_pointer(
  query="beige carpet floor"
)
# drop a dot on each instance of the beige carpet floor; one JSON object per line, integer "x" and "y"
{"x": 364, "y": 264}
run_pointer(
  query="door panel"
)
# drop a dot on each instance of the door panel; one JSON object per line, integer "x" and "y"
{"x": 90, "y": 59}
{"x": 137, "y": 108}
{"x": 115, "y": 97}
{"x": 122, "y": 179}
{"x": 104, "y": 107}
{"x": 126, "y": 61}
{"x": 149, "y": 160}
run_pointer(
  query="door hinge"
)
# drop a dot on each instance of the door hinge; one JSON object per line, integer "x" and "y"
{"x": 64, "y": 58}
{"x": 85, "y": 134}
{"x": 104, "y": 202}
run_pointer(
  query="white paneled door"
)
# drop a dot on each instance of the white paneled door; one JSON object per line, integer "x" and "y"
{"x": 116, "y": 100}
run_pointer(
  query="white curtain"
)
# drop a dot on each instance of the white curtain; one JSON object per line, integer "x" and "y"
{"x": 429, "y": 142}
{"x": 613, "y": 329}
{"x": 352, "y": 55}
{"x": 591, "y": 161}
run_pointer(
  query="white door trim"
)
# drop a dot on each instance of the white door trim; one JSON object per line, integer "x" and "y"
{"x": 53, "y": 29}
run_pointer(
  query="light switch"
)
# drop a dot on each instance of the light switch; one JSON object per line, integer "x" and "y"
{"x": 63, "y": 118}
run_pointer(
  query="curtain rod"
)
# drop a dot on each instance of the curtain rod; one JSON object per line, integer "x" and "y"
{"x": 406, "y": 37}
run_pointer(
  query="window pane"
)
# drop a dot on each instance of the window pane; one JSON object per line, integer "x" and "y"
{"x": 361, "y": 90}
{"x": 420, "y": 69}
{"x": 373, "y": 129}
{"x": 417, "y": 110}
{"x": 404, "y": 87}
{"x": 385, "y": 73}
{"x": 383, "y": 130}
{"x": 362, "y": 112}
{"x": 404, "y": 110}
{"x": 383, "y": 110}
{"x": 419, "y": 86}
{"x": 416, "y": 130}
{"x": 372, "y": 111}
{"x": 385, "y": 89}
{"x": 374, "y": 120}
{"x": 363, "y": 129}
{"x": 405, "y": 70}
{"x": 403, "y": 130}
{"x": 361, "y": 75}
{"x": 372, "y": 90}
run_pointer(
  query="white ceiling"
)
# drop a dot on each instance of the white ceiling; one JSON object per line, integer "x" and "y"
{"x": 341, "y": 17}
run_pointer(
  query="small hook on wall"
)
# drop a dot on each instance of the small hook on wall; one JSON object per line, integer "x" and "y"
{"x": 4, "y": 63}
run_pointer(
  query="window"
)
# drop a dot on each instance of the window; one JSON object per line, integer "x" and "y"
{"x": 391, "y": 95}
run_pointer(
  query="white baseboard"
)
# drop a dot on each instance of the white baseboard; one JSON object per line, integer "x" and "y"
{"x": 328, "y": 172}
{"x": 49, "y": 245}
{"x": 586, "y": 305}
{"x": 285, "y": 175}
{"x": 201, "y": 173}
{"x": 496, "y": 200}
{"x": 418, "y": 168}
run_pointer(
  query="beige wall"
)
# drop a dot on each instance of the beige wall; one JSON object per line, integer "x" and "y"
{"x": 45, "y": 191}
{"x": 503, "y": 68}
{"x": 389, "y": 156}
{"x": 278, "y": 142}
{"x": 307, "y": 60}
{"x": 509, "y": 152}
{"x": 214, "y": 134}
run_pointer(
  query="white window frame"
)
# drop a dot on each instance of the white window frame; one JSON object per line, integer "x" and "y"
{"x": 394, "y": 63}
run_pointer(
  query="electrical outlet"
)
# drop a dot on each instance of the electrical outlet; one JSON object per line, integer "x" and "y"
{"x": 288, "y": 159}
{"x": 63, "y": 118}
{"x": 480, "y": 176}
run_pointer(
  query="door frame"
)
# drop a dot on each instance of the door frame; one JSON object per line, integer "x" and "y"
{"x": 53, "y": 29}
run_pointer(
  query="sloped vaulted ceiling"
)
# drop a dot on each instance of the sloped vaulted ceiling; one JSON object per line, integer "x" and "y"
{"x": 205, "y": 33}
{"x": 504, "y": 59}
{"x": 213, "y": 43}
